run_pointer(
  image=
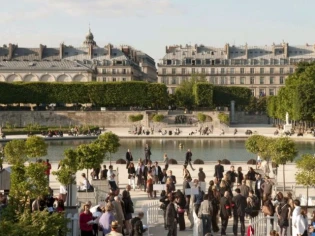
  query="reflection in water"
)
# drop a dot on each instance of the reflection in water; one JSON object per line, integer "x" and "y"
{"x": 206, "y": 149}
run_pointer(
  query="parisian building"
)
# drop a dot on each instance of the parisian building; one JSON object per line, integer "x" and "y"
{"x": 75, "y": 64}
{"x": 262, "y": 69}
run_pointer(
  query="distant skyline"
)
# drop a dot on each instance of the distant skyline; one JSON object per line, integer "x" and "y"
{"x": 151, "y": 25}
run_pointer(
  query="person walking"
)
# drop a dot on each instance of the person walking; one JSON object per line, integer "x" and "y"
{"x": 295, "y": 214}
{"x": 129, "y": 158}
{"x": 267, "y": 188}
{"x": 244, "y": 189}
{"x": 205, "y": 214}
{"x": 301, "y": 223}
{"x": 283, "y": 211}
{"x": 48, "y": 168}
{"x": 231, "y": 174}
{"x": 240, "y": 204}
{"x": 201, "y": 175}
{"x": 171, "y": 216}
{"x": 165, "y": 160}
{"x": 84, "y": 219}
{"x": 188, "y": 159}
{"x": 218, "y": 171}
{"x": 225, "y": 212}
{"x": 132, "y": 175}
{"x": 147, "y": 153}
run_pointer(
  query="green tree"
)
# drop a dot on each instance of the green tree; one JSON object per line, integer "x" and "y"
{"x": 35, "y": 223}
{"x": 108, "y": 143}
{"x": 306, "y": 172}
{"x": 283, "y": 150}
{"x": 15, "y": 152}
{"x": 35, "y": 147}
{"x": 89, "y": 156}
{"x": 259, "y": 145}
{"x": 184, "y": 93}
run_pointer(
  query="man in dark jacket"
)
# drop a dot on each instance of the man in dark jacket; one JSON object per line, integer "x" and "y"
{"x": 147, "y": 153}
{"x": 129, "y": 158}
{"x": 231, "y": 176}
{"x": 171, "y": 217}
{"x": 218, "y": 171}
{"x": 188, "y": 158}
{"x": 258, "y": 185}
{"x": 173, "y": 178}
{"x": 137, "y": 226}
{"x": 201, "y": 175}
{"x": 239, "y": 204}
{"x": 225, "y": 212}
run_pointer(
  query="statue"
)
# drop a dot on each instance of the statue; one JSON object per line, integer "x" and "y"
{"x": 287, "y": 118}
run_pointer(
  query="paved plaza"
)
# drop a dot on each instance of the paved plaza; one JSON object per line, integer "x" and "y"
{"x": 140, "y": 198}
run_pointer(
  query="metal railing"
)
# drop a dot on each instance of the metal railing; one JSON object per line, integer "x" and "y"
{"x": 262, "y": 224}
{"x": 153, "y": 213}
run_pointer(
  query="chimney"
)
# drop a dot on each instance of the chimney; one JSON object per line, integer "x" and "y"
{"x": 109, "y": 47}
{"x": 274, "y": 49}
{"x": 246, "y": 51}
{"x": 61, "y": 51}
{"x": 41, "y": 50}
{"x": 166, "y": 49}
{"x": 12, "y": 47}
{"x": 285, "y": 49}
{"x": 227, "y": 50}
{"x": 90, "y": 52}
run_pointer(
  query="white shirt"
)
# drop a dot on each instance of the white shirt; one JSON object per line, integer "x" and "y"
{"x": 109, "y": 173}
{"x": 301, "y": 224}
{"x": 63, "y": 189}
{"x": 295, "y": 214}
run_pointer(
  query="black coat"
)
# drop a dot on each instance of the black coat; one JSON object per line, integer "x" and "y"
{"x": 188, "y": 157}
{"x": 239, "y": 204}
{"x": 218, "y": 171}
{"x": 225, "y": 208}
{"x": 129, "y": 156}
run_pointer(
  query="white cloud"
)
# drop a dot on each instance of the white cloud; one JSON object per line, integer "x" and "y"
{"x": 111, "y": 8}
{"x": 25, "y": 15}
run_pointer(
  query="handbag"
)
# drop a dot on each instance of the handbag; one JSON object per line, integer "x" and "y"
{"x": 266, "y": 210}
{"x": 180, "y": 210}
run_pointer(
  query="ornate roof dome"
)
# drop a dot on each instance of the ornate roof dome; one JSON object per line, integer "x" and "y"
{"x": 89, "y": 39}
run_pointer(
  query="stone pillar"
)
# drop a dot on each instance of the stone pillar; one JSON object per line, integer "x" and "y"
{"x": 232, "y": 112}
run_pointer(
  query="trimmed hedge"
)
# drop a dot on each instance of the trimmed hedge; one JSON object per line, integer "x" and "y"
{"x": 199, "y": 162}
{"x": 203, "y": 93}
{"x": 222, "y": 95}
{"x": 115, "y": 94}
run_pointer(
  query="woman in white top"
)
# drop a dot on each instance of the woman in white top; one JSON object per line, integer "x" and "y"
{"x": 301, "y": 223}
{"x": 295, "y": 214}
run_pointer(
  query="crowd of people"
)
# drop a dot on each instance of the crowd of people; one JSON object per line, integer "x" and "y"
{"x": 113, "y": 218}
{"x": 231, "y": 194}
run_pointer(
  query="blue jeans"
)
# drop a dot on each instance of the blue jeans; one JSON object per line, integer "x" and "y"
{"x": 206, "y": 224}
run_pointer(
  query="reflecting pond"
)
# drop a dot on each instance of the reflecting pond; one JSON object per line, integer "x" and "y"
{"x": 206, "y": 149}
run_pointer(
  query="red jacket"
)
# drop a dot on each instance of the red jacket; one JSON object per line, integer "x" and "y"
{"x": 84, "y": 218}
{"x": 47, "y": 171}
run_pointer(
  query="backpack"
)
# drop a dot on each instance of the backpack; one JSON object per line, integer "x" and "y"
{"x": 135, "y": 226}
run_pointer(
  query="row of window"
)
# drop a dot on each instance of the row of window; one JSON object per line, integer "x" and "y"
{"x": 110, "y": 79}
{"x": 251, "y": 70}
{"x": 229, "y": 80}
{"x": 194, "y": 61}
{"x": 114, "y": 71}
{"x": 264, "y": 92}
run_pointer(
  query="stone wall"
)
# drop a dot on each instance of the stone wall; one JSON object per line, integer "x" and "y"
{"x": 67, "y": 118}
{"x": 243, "y": 118}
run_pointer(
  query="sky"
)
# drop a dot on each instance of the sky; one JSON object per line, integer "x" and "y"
{"x": 151, "y": 25}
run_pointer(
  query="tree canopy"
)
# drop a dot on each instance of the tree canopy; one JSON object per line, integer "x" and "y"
{"x": 297, "y": 97}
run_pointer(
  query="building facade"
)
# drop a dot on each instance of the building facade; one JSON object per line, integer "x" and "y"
{"x": 75, "y": 64}
{"x": 262, "y": 69}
